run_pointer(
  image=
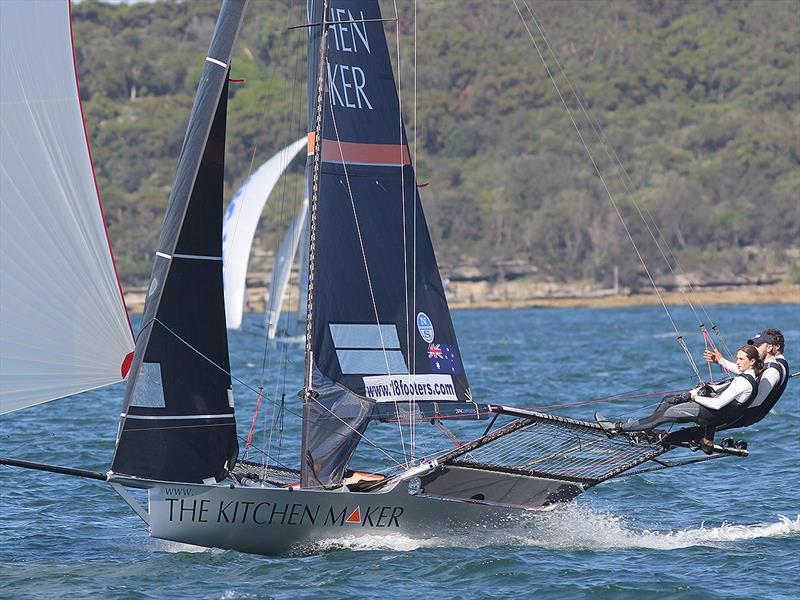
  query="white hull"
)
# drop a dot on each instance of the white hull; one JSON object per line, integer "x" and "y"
{"x": 269, "y": 520}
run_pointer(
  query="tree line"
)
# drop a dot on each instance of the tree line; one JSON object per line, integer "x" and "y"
{"x": 696, "y": 103}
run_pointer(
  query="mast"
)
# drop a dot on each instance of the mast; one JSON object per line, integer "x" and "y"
{"x": 319, "y": 89}
{"x": 315, "y": 176}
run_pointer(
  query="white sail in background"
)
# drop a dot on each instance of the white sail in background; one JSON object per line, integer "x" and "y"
{"x": 302, "y": 308}
{"x": 63, "y": 324}
{"x": 239, "y": 227}
{"x": 282, "y": 268}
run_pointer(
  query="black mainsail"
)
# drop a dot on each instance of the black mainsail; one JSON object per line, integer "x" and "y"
{"x": 178, "y": 420}
{"x": 379, "y": 326}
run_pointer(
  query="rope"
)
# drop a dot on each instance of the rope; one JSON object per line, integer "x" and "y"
{"x": 623, "y": 174}
{"x": 412, "y": 367}
{"x": 413, "y": 348}
{"x": 253, "y": 423}
{"x": 603, "y": 182}
{"x": 612, "y": 399}
{"x": 364, "y": 258}
{"x": 252, "y": 389}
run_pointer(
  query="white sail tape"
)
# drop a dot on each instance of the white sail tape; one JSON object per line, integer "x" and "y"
{"x": 176, "y": 417}
{"x": 216, "y": 62}
{"x": 162, "y": 255}
{"x": 197, "y": 257}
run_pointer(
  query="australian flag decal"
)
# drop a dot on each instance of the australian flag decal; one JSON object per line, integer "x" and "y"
{"x": 444, "y": 359}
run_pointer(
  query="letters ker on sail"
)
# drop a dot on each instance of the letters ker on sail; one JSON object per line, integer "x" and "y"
{"x": 350, "y": 42}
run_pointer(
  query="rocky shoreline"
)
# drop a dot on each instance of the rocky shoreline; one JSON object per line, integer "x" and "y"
{"x": 519, "y": 294}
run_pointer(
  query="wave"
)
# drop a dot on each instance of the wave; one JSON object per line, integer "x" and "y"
{"x": 581, "y": 528}
{"x": 574, "y": 528}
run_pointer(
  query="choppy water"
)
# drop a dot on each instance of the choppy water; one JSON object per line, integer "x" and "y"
{"x": 727, "y": 528}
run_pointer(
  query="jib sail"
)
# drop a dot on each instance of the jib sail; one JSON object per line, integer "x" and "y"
{"x": 178, "y": 422}
{"x": 380, "y": 328}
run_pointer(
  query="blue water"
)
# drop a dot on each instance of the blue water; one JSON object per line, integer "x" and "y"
{"x": 727, "y": 528}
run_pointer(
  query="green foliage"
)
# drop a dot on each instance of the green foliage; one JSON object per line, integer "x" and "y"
{"x": 700, "y": 101}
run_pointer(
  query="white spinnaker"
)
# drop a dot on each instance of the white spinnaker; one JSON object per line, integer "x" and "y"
{"x": 63, "y": 324}
{"x": 239, "y": 227}
{"x": 283, "y": 268}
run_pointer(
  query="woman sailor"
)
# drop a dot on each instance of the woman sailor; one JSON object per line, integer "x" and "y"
{"x": 710, "y": 405}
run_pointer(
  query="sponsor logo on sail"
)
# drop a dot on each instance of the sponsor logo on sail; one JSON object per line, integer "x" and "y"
{"x": 395, "y": 388}
{"x": 425, "y": 327}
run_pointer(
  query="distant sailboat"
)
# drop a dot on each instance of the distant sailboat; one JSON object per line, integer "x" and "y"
{"x": 240, "y": 223}
{"x": 282, "y": 269}
{"x": 380, "y": 343}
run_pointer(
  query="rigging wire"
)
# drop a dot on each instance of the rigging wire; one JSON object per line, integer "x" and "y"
{"x": 413, "y": 349}
{"x": 609, "y": 194}
{"x": 364, "y": 257}
{"x": 280, "y": 374}
{"x": 254, "y": 390}
{"x": 412, "y": 367}
{"x": 627, "y": 184}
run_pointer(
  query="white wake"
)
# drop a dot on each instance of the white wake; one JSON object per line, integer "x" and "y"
{"x": 573, "y": 528}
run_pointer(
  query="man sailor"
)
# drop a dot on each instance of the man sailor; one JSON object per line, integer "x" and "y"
{"x": 771, "y": 382}
{"x": 707, "y": 406}
{"x": 773, "y": 379}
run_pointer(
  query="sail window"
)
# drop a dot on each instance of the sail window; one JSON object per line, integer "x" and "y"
{"x": 149, "y": 391}
{"x": 351, "y": 335}
{"x": 371, "y": 362}
{"x": 365, "y": 349}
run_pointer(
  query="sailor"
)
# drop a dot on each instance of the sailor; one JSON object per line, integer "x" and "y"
{"x": 708, "y": 406}
{"x": 773, "y": 379}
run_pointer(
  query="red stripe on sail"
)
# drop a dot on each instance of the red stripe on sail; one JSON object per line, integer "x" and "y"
{"x": 363, "y": 154}
{"x": 94, "y": 175}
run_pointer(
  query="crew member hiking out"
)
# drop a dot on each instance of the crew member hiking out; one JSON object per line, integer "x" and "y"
{"x": 709, "y": 406}
{"x": 773, "y": 379}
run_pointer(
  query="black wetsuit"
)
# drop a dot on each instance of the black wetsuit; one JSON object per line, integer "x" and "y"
{"x": 681, "y": 409}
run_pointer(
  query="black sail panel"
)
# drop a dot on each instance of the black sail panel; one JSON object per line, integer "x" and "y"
{"x": 381, "y": 327}
{"x": 178, "y": 420}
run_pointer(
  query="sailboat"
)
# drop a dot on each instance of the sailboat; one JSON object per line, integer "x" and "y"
{"x": 380, "y": 343}
{"x": 239, "y": 228}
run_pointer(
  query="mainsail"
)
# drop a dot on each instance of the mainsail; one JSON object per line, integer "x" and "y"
{"x": 282, "y": 269}
{"x": 379, "y": 325}
{"x": 178, "y": 422}
{"x": 64, "y": 327}
{"x": 239, "y": 227}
